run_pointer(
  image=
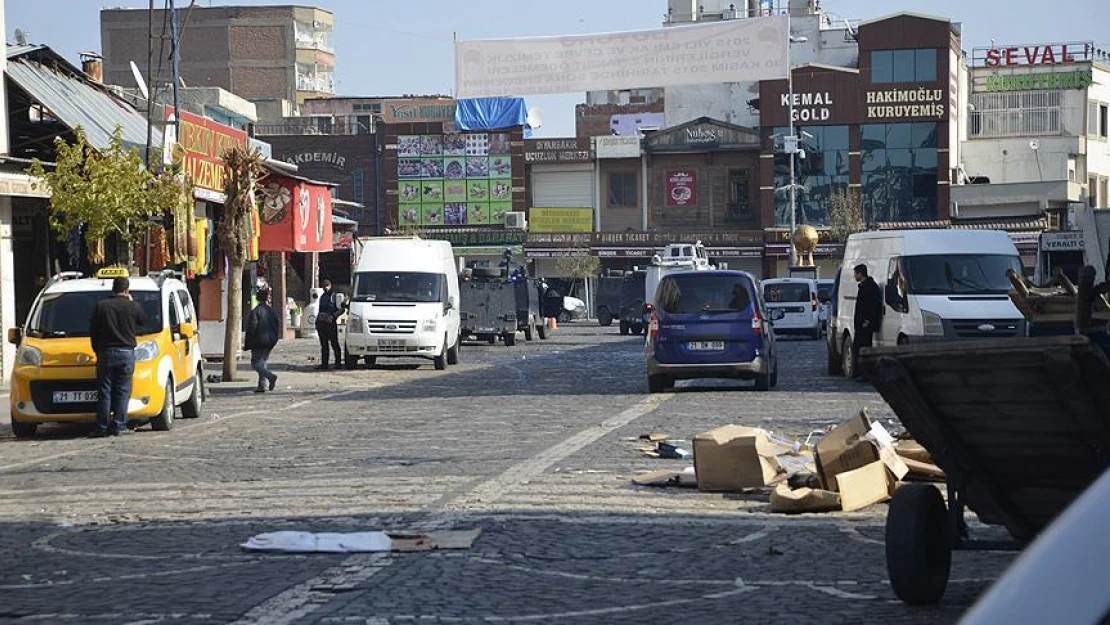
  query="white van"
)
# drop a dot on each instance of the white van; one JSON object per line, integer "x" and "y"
{"x": 404, "y": 303}
{"x": 936, "y": 284}
{"x": 797, "y": 298}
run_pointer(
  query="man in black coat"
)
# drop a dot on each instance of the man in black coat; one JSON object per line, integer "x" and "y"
{"x": 868, "y": 315}
{"x": 262, "y": 335}
{"x": 115, "y": 322}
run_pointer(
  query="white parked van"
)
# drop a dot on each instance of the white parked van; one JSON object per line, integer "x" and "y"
{"x": 936, "y": 284}
{"x": 404, "y": 303}
{"x": 797, "y": 299}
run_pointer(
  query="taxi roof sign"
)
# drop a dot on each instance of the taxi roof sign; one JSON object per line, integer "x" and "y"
{"x": 113, "y": 272}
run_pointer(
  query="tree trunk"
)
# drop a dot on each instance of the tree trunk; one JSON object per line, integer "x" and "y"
{"x": 234, "y": 317}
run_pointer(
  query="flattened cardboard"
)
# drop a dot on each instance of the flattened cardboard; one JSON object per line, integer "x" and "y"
{"x": 865, "y": 486}
{"x": 912, "y": 450}
{"x": 733, "y": 457}
{"x": 798, "y": 500}
{"x": 923, "y": 471}
{"x": 446, "y": 539}
{"x": 667, "y": 477}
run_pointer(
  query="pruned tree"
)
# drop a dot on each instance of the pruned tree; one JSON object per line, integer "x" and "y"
{"x": 243, "y": 167}
{"x": 845, "y": 215}
{"x": 578, "y": 264}
{"x": 108, "y": 191}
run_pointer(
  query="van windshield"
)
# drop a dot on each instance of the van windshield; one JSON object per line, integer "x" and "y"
{"x": 699, "y": 293}
{"x": 68, "y": 314}
{"x": 959, "y": 274}
{"x": 399, "y": 286}
{"x": 786, "y": 292}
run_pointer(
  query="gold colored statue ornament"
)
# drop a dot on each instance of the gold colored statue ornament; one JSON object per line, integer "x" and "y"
{"x": 805, "y": 244}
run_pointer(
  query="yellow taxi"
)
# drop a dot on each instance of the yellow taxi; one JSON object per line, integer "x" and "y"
{"x": 54, "y": 379}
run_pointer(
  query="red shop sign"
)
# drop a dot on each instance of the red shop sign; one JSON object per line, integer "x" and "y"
{"x": 682, "y": 188}
{"x": 295, "y": 216}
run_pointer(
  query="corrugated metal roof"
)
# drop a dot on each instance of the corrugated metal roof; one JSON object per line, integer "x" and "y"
{"x": 1009, "y": 224}
{"x": 75, "y": 101}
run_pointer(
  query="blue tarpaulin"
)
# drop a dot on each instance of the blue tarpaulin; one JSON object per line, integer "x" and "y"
{"x": 491, "y": 113}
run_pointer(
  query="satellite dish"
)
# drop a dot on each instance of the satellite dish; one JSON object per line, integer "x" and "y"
{"x": 535, "y": 117}
{"x": 1034, "y": 144}
{"x": 139, "y": 80}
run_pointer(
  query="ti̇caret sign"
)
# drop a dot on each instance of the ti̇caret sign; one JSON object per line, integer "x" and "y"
{"x": 202, "y": 144}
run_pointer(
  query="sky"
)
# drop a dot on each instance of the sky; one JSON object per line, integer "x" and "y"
{"x": 384, "y": 49}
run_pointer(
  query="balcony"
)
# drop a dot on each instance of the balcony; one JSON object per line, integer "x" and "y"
{"x": 320, "y": 82}
{"x": 308, "y": 37}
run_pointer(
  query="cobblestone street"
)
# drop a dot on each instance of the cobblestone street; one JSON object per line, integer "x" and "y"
{"x": 532, "y": 444}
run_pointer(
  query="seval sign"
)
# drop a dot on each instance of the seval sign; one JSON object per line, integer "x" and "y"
{"x": 1036, "y": 55}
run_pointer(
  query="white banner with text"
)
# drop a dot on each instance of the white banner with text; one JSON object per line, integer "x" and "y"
{"x": 747, "y": 50}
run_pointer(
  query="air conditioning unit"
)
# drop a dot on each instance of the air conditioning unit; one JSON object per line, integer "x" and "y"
{"x": 516, "y": 221}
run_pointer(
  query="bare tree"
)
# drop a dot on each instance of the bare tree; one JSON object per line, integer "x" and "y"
{"x": 244, "y": 168}
{"x": 579, "y": 264}
{"x": 845, "y": 215}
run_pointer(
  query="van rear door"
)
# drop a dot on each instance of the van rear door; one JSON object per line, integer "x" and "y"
{"x": 706, "y": 318}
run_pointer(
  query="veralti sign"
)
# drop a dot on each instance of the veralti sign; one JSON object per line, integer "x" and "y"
{"x": 204, "y": 143}
{"x": 1034, "y": 55}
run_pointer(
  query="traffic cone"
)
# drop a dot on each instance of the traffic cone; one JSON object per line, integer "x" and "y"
{"x": 551, "y": 324}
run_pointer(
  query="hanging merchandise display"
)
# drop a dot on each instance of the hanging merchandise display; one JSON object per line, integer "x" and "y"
{"x": 96, "y": 252}
{"x": 159, "y": 248}
{"x": 181, "y": 217}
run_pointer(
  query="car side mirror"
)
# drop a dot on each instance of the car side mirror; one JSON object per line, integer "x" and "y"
{"x": 893, "y": 298}
{"x": 15, "y": 335}
{"x": 777, "y": 314}
{"x": 449, "y": 304}
{"x": 187, "y": 330}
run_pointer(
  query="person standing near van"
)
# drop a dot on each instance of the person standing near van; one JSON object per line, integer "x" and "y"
{"x": 326, "y": 328}
{"x": 112, "y": 328}
{"x": 262, "y": 335}
{"x": 868, "y": 314}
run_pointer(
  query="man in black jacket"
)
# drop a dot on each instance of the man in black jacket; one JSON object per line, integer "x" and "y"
{"x": 262, "y": 335}
{"x": 112, "y": 328}
{"x": 326, "y": 328}
{"x": 868, "y": 315}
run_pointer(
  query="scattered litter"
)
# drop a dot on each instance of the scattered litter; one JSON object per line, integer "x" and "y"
{"x": 671, "y": 452}
{"x": 685, "y": 477}
{"x": 734, "y": 457}
{"x": 654, "y": 437}
{"x": 359, "y": 542}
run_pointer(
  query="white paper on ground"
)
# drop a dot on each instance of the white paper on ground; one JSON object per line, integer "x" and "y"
{"x": 322, "y": 542}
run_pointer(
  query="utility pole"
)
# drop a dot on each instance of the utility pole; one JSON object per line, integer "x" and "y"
{"x": 175, "y": 54}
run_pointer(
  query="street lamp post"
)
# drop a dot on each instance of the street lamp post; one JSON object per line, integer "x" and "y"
{"x": 790, "y": 143}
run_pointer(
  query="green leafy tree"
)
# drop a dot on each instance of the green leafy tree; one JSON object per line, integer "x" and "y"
{"x": 244, "y": 168}
{"x": 845, "y": 215}
{"x": 578, "y": 264}
{"x": 109, "y": 190}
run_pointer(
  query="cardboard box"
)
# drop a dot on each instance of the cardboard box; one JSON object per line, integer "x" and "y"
{"x": 797, "y": 500}
{"x": 844, "y": 449}
{"x": 865, "y": 486}
{"x": 733, "y": 457}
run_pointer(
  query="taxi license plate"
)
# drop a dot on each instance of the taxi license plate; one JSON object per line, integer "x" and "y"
{"x": 75, "y": 397}
{"x": 389, "y": 343}
{"x": 706, "y": 346}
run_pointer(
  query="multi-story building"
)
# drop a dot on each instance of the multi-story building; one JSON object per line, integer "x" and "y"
{"x": 256, "y": 52}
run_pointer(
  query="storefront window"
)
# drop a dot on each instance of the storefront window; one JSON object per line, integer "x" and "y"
{"x": 822, "y": 172}
{"x": 739, "y": 187}
{"x": 899, "y": 166}
{"x": 890, "y": 66}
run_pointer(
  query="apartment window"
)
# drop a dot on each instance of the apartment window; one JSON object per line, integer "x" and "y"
{"x": 622, "y": 189}
{"x": 892, "y": 66}
{"x": 1103, "y": 192}
{"x": 899, "y": 164}
{"x": 1102, "y": 121}
{"x": 1017, "y": 114}
{"x": 1092, "y": 191}
{"x": 739, "y": 198}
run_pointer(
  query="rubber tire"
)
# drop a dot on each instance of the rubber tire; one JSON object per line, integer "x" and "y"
{"x": 847, "y": 360}
{"x": 191, "y": 409}
{"x": 657, "y": 383}
{"x": 637, "y": 328}
{"x": 24, "y": 430}
{"x": 604, "y": 317}
{"x": 918, "y": 544}
{"x": 350, "y": 363}
{"x": 528, "y": 333}
{"x": 816, "y": 334}
{"x": 542, "y": 330}
{"x": 624, "y": 328}
{"x": 370, "y": 361}
{"x": 903, "y": 339}
{"x": 510, "y": 339}
{"x": 440, "y": 361}
{"x": 763, "y": 382}
{"x": 163, "y": 421}
{"x": 835, "y": 365}
{"x": 565, "y": 317}
{"x": 453, "y": 353}
{"x": 492, "y": 340}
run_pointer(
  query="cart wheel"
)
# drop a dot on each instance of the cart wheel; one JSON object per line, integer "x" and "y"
{"x": 918, "y": 544}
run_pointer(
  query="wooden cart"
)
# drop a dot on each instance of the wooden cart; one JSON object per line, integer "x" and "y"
{"x": 1020, "y": 427}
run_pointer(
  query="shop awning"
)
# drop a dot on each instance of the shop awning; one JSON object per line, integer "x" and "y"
{"x": 295, "y": 213}
{"x": 74, "y": 99}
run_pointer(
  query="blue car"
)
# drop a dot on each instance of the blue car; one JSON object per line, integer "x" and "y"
{"x": 710, "y": 324}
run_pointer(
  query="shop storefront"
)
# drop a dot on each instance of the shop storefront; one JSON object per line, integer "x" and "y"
{"x": 561, "y": 173}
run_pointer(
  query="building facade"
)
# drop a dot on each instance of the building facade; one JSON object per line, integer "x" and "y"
{"x": 256, "y": 52}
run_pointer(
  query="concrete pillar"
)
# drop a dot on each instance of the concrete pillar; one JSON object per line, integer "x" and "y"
{"x": 7, "y": 290}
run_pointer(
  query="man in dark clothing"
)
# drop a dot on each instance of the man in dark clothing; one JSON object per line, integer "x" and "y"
{"x": 330, "y": 303}
{"x": 115, "y": 322}
{"x": 868, "y": 315}
{"x": 262, "y": 335}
